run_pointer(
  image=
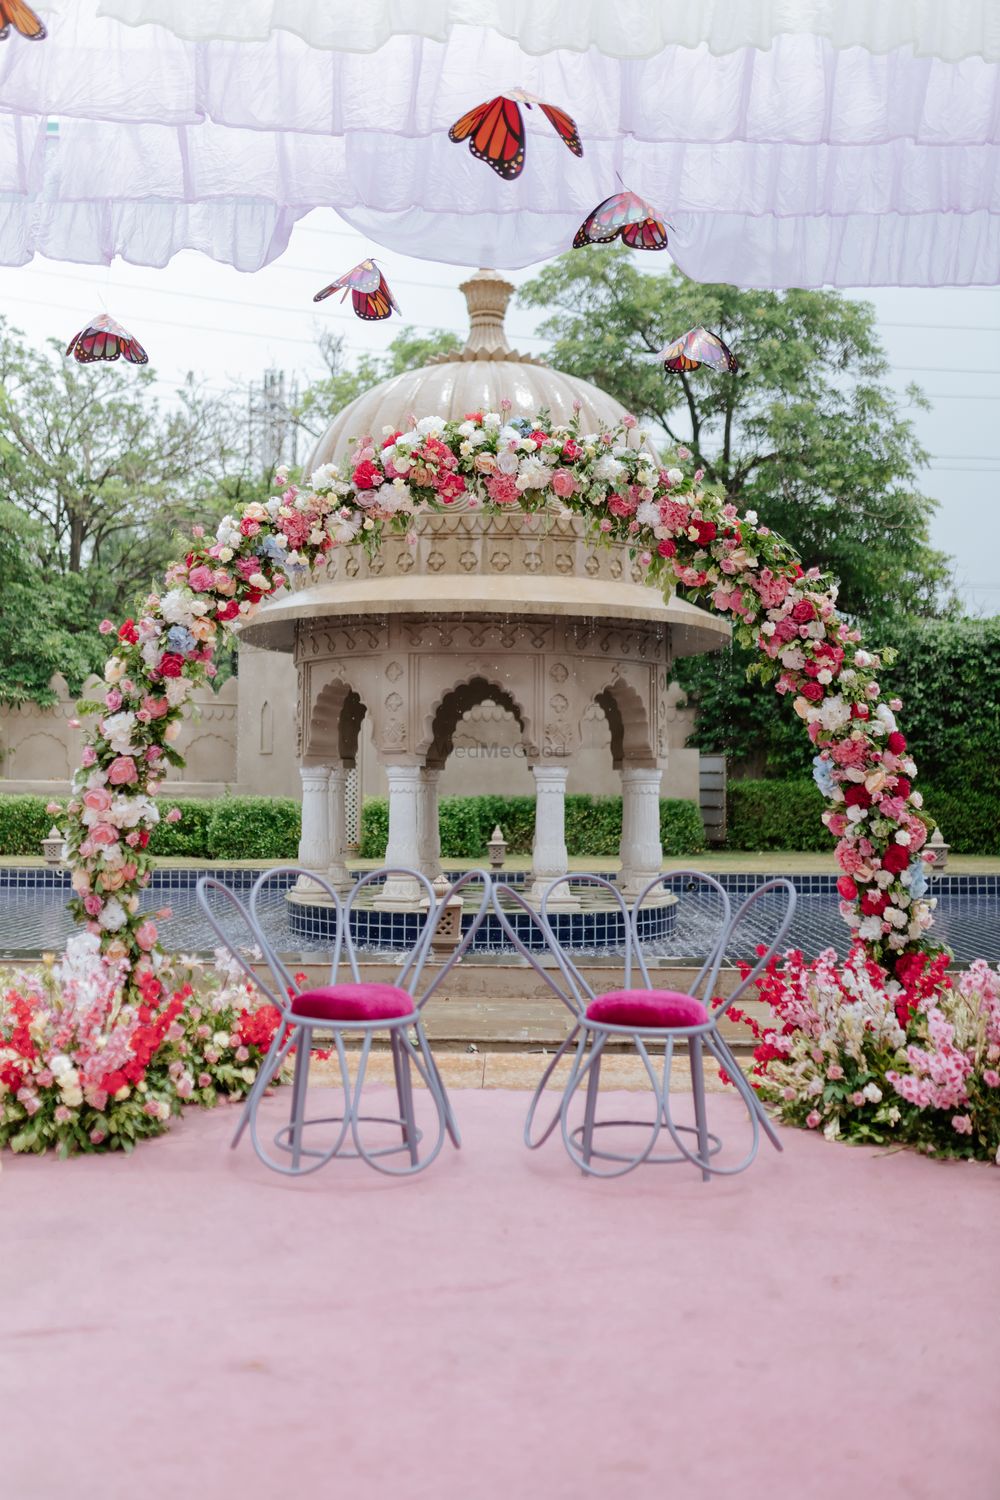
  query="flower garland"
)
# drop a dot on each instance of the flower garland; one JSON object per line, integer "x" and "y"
{"x": 686, "y": 536}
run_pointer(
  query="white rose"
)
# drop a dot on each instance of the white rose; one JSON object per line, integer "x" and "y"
{"x": 113, "y": 916}
{"x": 904, "y": 838}
{"x": 323, "y": 477}
{"x": 114, "y": 667}
{"x": 176, "y": 691}
{"x": 676, "y": 476}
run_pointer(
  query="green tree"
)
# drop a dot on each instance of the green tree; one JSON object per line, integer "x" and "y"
{"x": 807, "y": 433}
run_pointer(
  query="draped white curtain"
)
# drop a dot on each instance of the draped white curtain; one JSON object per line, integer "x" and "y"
{"x": 788, "y": 142}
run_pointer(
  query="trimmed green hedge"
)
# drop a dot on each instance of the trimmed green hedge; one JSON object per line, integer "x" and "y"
{"x": 786, "y": 815}
{"x": 776, "y": 815}
{"x": 254, "y": 828}
{"x": 24, "y": 823}
{"x": 593, "y": 825}
{"x": 189, "y": 837}
{"x": 219, "y": 828}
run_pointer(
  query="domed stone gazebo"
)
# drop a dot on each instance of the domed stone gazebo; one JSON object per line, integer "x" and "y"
{"x": 512, "y": 610}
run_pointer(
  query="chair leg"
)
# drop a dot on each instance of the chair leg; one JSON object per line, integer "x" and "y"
{"x": 749, "y": 1093}
{"x": 590, "y": 1108}
{"x": 698, "y": 1089}
{"x": 451, "y": 1124}
{"x": 300, "y": 1084}
{"x": 397, "y": 1069}
{"x": 405, "y": 1095}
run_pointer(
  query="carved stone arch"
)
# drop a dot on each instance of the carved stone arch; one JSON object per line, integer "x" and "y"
{"x": 628, "y": 718}
{"x": 334, "y": 724}
{"x": 440, "y": 724}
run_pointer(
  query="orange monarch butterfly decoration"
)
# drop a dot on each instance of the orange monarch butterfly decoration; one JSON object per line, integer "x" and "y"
{"x": 695, "y": 348}
{"x": 495, "y": 131}
{"x": 369, "y": 291}
{"x": 103, "y": 338}
{"x": 625, "y": 214}
{"x": 23, "y": 19}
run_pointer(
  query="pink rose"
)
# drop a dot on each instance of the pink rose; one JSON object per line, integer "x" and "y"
{"x": 174, "y": 815}
{"x": 200, "y": 578}
{"x": 113, "y": 700}
{"x": 96, "y": 1137}
{"x": 813, "y": 1118}
{"x": 93, "y": 905}
{"x": 155, "y": 707}
{"x": 145, "y": 935}
{"x": 98, "y": 799}
{"x": 102, "y": 834}
{"x": 122, "y": 771}
{"x": 89, "y": 756}
{"x": 563, "y": 483}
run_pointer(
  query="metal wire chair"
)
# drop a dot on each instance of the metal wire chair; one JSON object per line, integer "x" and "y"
{"x": 645, "y": 1015}
{"x": 341, "y": 1008}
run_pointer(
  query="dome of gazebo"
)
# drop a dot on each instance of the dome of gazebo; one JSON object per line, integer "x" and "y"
{"x": 476, "y": 378}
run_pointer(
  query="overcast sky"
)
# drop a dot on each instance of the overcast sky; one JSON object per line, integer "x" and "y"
{"x": 197, "y": 315}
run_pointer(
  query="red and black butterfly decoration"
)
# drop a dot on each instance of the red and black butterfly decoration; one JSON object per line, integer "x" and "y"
{"x": 104, "y": 339}
{"x": 495, "y": 131}
{"x": 695, "y": 348}
{"x": 625, "y": 214}
{"x": 369, "y": 291}
{"x": 23, "y": 19}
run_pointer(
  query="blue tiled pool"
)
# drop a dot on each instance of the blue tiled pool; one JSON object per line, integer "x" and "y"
{"x": 34, "y": 918}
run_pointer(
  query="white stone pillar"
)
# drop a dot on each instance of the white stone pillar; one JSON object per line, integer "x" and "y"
{"x": 549, "y": 859}
{"x": 314, "y": 843}
{"x": 338, "y": 874}
{"x": 641, "y": 852}
{"x": 428, "y": 823}
{"x": 403, "y": 847}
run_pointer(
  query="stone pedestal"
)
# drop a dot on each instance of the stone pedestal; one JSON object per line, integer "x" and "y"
{"x": 403, "y": 847}
{"x": 549, "y": 859}
{"x": 641, "y": 851}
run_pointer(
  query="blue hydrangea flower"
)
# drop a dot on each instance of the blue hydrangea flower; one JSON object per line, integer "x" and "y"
{"x": 180, "y": 639}
{"x": 918, "y": 878}
{"x": 823, "y": 775}
{"x": 521, "y": 425}
{"x": 273, "y": 549}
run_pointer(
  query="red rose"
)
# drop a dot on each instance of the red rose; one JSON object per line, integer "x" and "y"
{"x": 539, "y": 436}
{"x": 470, "y": 416}
{"x": 896, "y": 742}
{"x": 170, "y": 664}
{"x": 706, "y": 531}
{"x": 570, "y": 450}
{"x": 128, "y": 632}
{"x": 859, "y": 710}
{"x": 847, "y": 888}
{"x": 909, "y": 967}
{"x": 857, "y": 796}
{"x": 813, "y": 691}
{"x": 903, "y": 787}
{"x": 873, "y": 903}
{"x": 896, "y": 859}
{"x": 803, "y": 611}
{"x": 227, "y": 611}
{"x": 666, "y": 548}
{"x": 366, "y": 476}
{"x": 392, "y": 438}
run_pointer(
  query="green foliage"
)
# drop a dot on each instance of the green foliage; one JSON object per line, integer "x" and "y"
{"x": 24, "y": 823}
{"x": 189, "y": 837}
{"x": 593, "y": 826}
{"x": 775, "y": 815}
{"x": 254, "y": 828}
{"x": 968, "y": 814}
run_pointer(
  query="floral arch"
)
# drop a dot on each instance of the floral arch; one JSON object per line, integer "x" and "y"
{"x": 686, "y": 536}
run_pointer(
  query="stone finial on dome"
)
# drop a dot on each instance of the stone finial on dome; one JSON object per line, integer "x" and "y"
{"x": 487, "y": 294}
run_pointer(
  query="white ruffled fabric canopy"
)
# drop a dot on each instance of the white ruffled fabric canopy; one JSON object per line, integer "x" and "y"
{"x": 859, "y": 149}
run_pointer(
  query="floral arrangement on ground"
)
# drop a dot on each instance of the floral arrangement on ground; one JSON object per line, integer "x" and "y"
{"x": 868, "y": 1057}
{"x": 92, "y": 1061}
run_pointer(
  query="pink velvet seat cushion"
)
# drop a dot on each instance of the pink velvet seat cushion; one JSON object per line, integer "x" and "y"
{"x": 647, "y": 1008}
{"x": 354, "y": 1002}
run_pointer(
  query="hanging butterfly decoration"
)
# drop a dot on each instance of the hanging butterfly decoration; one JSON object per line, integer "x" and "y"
{"x": 495, "y": 131}
{"x": 695, "y": 348}
{"x": 23, "y": 19}
{"x": 103, "y": 338}
{"x": 624, "y": 213}
{"x": 369, "y": 291}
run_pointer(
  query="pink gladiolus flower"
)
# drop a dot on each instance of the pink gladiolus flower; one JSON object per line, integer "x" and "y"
{"x": 122, "y": 771}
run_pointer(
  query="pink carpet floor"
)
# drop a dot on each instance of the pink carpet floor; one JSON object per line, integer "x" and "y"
{"x": 185, "y": 1323}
